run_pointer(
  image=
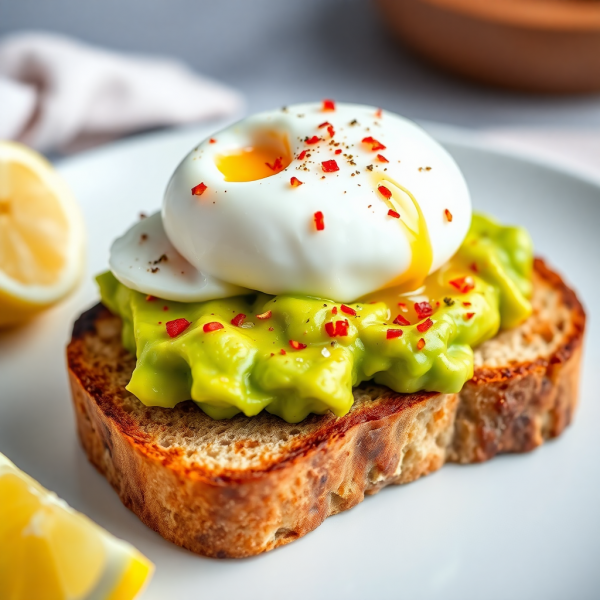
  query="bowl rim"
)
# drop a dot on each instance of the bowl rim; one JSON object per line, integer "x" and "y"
{"x": 558, "y": 15}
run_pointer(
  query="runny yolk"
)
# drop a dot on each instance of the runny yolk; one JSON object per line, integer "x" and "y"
{"x": 255, "y": 162}
{"x": 414, "y": 225}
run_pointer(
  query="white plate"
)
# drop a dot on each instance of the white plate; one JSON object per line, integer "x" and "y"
{"x": 517, "y": 527}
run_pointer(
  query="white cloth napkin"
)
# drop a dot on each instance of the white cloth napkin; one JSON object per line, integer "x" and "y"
{"x": 57, "y": 93}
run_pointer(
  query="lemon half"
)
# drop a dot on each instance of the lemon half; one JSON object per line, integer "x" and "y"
{"x": 48, "y": 551}
{"x": 41, "y": 235}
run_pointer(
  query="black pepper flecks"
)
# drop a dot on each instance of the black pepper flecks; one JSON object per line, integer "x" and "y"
{"x": 160, "y": 259}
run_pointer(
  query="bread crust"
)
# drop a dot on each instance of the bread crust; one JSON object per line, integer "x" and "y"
{"x": 516, "y": 407}
{"x": 387, "y": 438}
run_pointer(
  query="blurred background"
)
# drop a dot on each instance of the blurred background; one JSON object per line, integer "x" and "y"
{"x": 274, "y": 53}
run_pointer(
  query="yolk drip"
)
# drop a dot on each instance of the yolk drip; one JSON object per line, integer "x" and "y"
{"x": 255, "y": 162}
{"x": 434, "y": 289}
{"x": 415, "y": 227}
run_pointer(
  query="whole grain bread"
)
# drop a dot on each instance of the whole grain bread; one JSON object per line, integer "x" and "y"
{"x": 243, "y": 486}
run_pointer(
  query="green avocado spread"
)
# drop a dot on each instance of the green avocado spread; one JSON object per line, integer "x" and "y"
{"x": 305, "y": 354}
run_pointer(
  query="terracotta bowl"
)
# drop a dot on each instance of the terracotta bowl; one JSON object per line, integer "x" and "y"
{"x": 550, "y": 46}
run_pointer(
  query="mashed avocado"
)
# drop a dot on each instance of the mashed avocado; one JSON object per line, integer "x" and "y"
{"x": 305, "y": 354}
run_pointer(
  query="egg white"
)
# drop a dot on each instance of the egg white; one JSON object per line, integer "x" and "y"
{"x": 144, "y": 260}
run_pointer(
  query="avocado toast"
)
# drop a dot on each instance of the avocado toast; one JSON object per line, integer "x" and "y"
{"x": 242, "y": 486}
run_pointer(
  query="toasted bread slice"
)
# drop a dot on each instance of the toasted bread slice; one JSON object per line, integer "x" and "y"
{"x": 243, "y": 486}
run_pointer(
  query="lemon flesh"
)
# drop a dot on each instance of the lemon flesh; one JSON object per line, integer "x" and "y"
{"x": 48, "y": 551}
{"x": 41, "y": 235}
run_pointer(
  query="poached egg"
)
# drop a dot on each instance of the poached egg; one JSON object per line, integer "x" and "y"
{"x": 329, "y": 200}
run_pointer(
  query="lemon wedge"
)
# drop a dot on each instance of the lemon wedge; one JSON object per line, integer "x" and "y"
{"x": 41, "y": 235}
{"x": 48, "y": 551}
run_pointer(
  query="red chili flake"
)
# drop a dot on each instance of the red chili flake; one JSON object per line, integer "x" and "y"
{"x": 400, "y": 320}
{"x": 375, "y": 145}
{"x": 425, "y": 325}
{"x": 421, "y": 344}
{"x": 330, "y": 166}
{"x": 212, "y": 326}
{"x": 238, "y": 320}
{"x": 319, "y": 221}
{"x": 324, "y": 124}
{"x": 271, "y": 329}
{"x": 378, "y": 113}
{"x": 348, "y": 310}
{"x": 474, "y": 268}
{"x": 212, "y": 141}
{"x": 338, "y": 151}
{"x": 295, "y": 182}
{"x": 382, "y": 158}
{"x": 301, "y": 155}
{"x": 466, "y": 304}
{"x": 174, "y": 328}
{"x": 337, "y": 329}
{"x": 264, "y": 316}
{"x": 330, "y": 130}
{"x": 393, "y": 213}
{"x": 402, "y": 305}
{"x": 313, "y": 140}
{"x": 463, "y": 284}
{"x": 150, "y": 298}
{"x": 282, "y": 351}
{"x": 423, "y": 309}
{"x": 469, "y": 316}
{"x": 328, "y": 105}
{"x": 385, "y": 192}
{"x": 297, "y": 345}
{"x": 334, "y": 310}
{"x": 393, "y": 333}
{"x": 341, "y": 328}
{"x": 165, "y": 308}
{"x": 449, "y": 216}
{"x": 198, "y": 190}
{"x": 277, "y": 165}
